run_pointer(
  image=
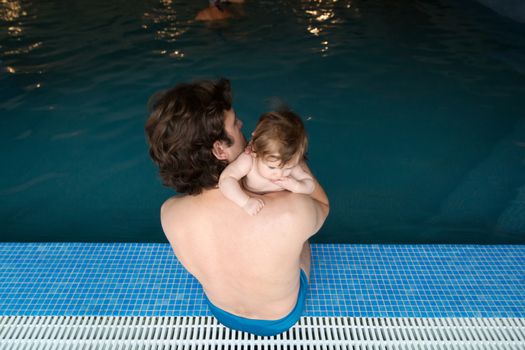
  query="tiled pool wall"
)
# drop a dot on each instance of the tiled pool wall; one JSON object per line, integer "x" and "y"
{"x": 138, "y": 279}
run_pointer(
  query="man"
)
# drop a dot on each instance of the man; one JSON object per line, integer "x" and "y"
{"x": 254, "y": 269}
{"x": 216, "y": 10}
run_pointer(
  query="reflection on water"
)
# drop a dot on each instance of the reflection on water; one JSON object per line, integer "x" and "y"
{"x": 11, "y": 15}
{"x": 31, "y": 183}
{"x": 163, "y": 20}
{"x": 10, "y": 11}
{"x": 25, "y": 49}
{"x": 316, "y": 16}
{"x": 321, "y": 16}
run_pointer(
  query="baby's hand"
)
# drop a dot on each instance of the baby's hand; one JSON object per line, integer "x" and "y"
{"x": 288, "y": 183}
{"x": 253, "y": 206}
{"x": 248, "y": 148}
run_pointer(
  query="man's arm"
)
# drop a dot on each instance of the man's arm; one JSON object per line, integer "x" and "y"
{"x": 316, "y": 209}
{"x": 318, "y": 194}
{"x": 322, "y": 207}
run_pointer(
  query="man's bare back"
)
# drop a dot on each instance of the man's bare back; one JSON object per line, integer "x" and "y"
{"x": 247, "y": 265}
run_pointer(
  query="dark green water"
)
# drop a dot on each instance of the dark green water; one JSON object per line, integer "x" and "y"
{"x": 415, "y": 111}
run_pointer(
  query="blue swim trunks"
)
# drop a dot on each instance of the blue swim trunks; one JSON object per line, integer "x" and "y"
{"x": 263, "y": 327}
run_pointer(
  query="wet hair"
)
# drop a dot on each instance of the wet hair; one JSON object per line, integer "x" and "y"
{"x": 183, "y": 125}
{"x": 280, "y": 136}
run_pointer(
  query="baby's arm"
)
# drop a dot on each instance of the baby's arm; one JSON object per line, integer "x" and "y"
{"x": 229, "y": 184}
{"x": 299, "y": 181}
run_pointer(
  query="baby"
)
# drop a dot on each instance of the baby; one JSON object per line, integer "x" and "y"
{"x": 278, "y": 146}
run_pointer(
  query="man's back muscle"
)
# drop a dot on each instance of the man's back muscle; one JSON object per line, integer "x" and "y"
{"x": 247, "y": 265}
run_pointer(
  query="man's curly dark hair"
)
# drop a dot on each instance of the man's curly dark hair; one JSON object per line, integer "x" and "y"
{"x": 183, "y": 125}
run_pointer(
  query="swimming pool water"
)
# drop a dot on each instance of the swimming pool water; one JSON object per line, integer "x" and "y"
{"x": 414, "y": 111}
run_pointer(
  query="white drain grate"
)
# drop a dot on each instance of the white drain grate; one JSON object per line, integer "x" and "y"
{"x": 310, "y": 333}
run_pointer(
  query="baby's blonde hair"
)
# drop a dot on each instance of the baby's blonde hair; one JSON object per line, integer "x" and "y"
{"x": 280, "y": 136}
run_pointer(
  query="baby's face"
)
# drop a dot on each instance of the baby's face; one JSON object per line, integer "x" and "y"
{"x": 273, "y": 169}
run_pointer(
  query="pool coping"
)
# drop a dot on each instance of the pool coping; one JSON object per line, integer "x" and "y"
{"x": 145, "y": 279}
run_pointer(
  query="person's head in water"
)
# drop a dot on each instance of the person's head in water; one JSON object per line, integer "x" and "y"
{"x": 193, "y": 133}
{"x": 279, "y": 143}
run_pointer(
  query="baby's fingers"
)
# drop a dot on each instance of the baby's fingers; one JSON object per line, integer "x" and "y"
{"x": 260, "y": 205}
{"x": 253, "y": 206}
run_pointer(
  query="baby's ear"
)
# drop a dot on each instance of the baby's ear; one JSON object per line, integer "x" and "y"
{"x": 218, "y": 150}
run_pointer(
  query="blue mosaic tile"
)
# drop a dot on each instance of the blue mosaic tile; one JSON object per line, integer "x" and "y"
{"x": 132, "y": 279}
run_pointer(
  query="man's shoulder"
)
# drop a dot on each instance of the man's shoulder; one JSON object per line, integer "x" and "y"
{"x": 300, "y": 211}
{"x": 172, "y": 206}
{"x": 286, "y": 198}
{"x": 293, "y": 205}
{"x": 186, "y": 207}
{"x": 172, "y": 202}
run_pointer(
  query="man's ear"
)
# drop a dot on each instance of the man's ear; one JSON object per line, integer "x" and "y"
{"x": 218, "y": 150}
